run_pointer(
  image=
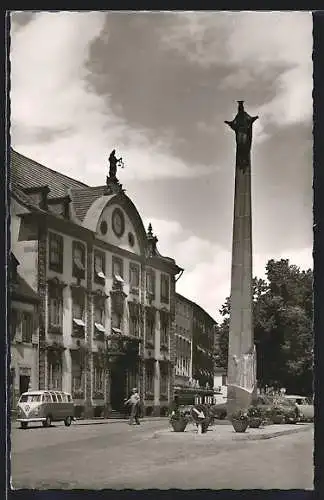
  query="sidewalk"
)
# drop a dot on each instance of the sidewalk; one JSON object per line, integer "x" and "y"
{"x": 94, "y": 421}
{"x": 227, "y": 433}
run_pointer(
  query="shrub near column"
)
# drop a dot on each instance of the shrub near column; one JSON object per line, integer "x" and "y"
{"x": 255, "y": 417}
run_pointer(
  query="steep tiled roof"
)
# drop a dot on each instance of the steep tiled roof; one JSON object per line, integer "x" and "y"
{"x": 27, "y": 173}
{"x": 82, "y": 199}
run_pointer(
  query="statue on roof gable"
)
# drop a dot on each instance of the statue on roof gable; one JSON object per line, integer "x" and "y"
{"x": 114, "y": 163}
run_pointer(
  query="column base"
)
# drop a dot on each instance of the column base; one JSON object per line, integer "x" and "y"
{"x": 88, "y": 410}
{"x": 237, "y": 398}
{"x": 156, "y": 411}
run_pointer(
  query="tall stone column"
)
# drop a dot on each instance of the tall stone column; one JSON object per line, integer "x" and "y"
{"x": 241, "y": 352}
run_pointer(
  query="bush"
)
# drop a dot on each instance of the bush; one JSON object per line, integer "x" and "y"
{"x": 240, "y": 414}
{"x": 254, "y": 412}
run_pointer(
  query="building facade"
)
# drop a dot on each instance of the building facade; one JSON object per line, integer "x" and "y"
{"x": 183, "y": 340}
{"x": 23, "y": 329}
{"x": 203, "y": 335}
{"x": 107, "y": 296}
{"x": 194, "y": 333}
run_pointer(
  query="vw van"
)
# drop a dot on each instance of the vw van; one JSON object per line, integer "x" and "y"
{"x": 45, "y": 407}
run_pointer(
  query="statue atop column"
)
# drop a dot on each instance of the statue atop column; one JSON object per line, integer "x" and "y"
{"x": 242, "y": 126}
{"x": 113, "y": 164}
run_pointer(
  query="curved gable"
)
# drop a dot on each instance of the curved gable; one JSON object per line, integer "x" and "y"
{"x": 115, "y": 219}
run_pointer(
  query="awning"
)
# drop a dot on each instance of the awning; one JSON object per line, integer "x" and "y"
{"x": 79, "y": 322}
{"x": 100, "y": 327}
{"x": 100, "y": 274}
{"x": 119, "y": 278}
{"x": 116, "y": 330}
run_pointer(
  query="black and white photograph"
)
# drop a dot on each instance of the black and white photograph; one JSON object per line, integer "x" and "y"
{"x": 161, "y": 250}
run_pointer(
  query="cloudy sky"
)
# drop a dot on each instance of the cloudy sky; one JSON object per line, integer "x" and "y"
{"x": 158, "y": 87}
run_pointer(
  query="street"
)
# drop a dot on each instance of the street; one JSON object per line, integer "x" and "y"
{"x": 115, "y": 455}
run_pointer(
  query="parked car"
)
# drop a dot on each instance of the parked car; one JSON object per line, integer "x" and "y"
{"x": 305, "y": 406}
{"x": 45, "y": 407}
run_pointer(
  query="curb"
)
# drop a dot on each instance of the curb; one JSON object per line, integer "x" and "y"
{"x": 116, "y": 421}
{"x": 245, "y": 437}
{"x": 257, "y": 437}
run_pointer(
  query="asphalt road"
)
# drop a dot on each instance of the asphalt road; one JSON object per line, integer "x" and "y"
{"x": 119, "y": 456}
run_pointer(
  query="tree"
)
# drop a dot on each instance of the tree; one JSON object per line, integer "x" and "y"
{"x": 282, "y": 317}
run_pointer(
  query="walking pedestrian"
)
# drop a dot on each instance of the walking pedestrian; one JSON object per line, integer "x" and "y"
{"x": 134, "y": 402}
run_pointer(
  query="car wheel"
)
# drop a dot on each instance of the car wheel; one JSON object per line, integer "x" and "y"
{"x": 48, "y": 421}
{"x": 23, "y": 425}
{"x": 68, "y": 421}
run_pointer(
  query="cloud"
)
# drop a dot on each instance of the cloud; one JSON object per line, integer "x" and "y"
{"x": 207, "y": 266}
{"x": 56, "y": 116}
{"x": 254, "y": 47}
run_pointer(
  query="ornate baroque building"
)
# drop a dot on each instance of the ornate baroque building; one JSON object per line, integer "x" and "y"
{"x": 107, "y": 296}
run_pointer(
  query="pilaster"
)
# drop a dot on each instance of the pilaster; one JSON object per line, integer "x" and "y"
{"x": 42, "y": 292}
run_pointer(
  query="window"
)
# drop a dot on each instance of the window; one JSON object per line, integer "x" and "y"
{"x": 150, "y": 282}
{"x": 59, "y": 398}
{"x": 30, "y": 398}
{"x": 163, "y": 380}
{"x": 47, "y": 398}
{"x": 56, "y": 252}
{"x": 77, "y": 378}
{"x": 134, "y": 275}
{"x": 98, "y": 379}
{"x": 27, "y": 327}
{"x": 164, "y": 337}
{"x": 55, "y": 308}
{"x": 54, "y": 375}
{"x": 149, "y": 378}
{"x": 150, "y": 326}
{"x": 134, "y": 326}
{"x": 134, "y": 313}
{"x": 99, "y": 267}
{"x": 164, "y": 288}
{"x": 99, "y": 316}
{"x": 78, "y": 310}
{"x": 117, "y": 268}
{"x": 78, "y": 256}
{"x": 54, "y": 397}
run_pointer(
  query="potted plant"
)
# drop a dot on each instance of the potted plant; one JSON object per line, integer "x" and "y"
{"x": 255, "y": 417}
{"x": 178, "y": 420}
{"x": 240, "y": 420}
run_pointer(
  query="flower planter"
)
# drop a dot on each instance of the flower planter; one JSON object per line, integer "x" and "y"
{"x": 178, "y": 425}
{"x": 278, "y": 419}
{"x": 255, "y": 422}
{"x": 240, "y": 425}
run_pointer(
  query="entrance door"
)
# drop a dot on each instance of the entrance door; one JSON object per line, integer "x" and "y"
{"x": 23, "y": 383}
{"x": 118, "y": 387}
